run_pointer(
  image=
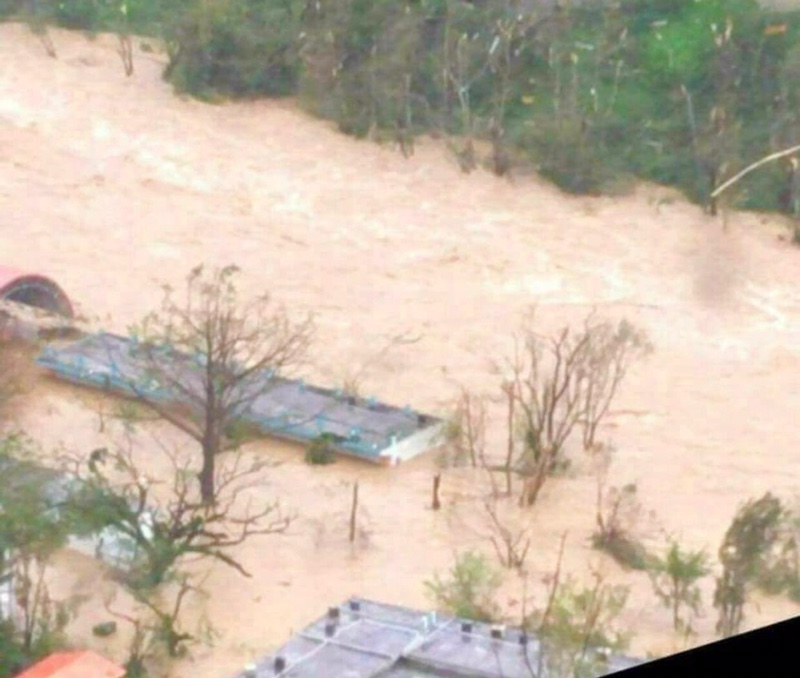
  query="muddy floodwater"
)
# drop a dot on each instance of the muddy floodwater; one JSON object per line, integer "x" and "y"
{"x": 113, "y": 186}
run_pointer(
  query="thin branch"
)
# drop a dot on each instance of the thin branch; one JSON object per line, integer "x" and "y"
{"x": 752, "y": 167}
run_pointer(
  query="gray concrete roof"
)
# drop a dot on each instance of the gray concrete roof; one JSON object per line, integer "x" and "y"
{"x": 367, "y": 639}
{"x": 361, "y": 427}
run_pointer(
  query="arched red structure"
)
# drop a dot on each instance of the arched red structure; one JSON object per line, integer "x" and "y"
{"x": 34, "y": 290}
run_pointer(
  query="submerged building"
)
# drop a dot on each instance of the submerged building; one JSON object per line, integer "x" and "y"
{"x": 368, "y": 639}
{"x": 290, "y": 409}
{"x": 52, "y": 488}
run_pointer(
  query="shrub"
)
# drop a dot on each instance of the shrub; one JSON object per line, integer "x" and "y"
{"x": 321, "y": 451}
{"x": 674, "y": 578}
{"x": 469, "y": 590}
{"x": 617, "y": 512}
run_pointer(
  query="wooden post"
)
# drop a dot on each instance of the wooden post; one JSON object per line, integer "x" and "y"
{"x": 353, "y": 513}
{"x": 437, "y": 480}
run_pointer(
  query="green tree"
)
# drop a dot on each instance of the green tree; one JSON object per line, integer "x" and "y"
{"x": 674, "y": 577}
{"x": 165, "y": 520}
{"x": 469, "y": 590}
{"x": 753, "y": 532}
{"x": 32, "y": 529}
{"x": 578, "y": 622}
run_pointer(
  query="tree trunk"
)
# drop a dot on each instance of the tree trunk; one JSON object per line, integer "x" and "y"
{"x": 675, "y": 608}
{"x": 159, "y": 562}
{"x": 510, "y": 440}
{"x": 532, "y": 487}
{"x": 206, "y": 475}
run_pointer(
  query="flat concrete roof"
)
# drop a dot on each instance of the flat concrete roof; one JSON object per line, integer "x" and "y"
{"x": 362, "y": 427}
{"x": 367, "y": 639}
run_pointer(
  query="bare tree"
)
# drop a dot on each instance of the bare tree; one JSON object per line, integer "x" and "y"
{"x": 167, "y": 526}
{"x": 167, "y": 627}
{"x": 140, "y": 644}
{"x": 158, "y": 625}
{"x": 510, "y": 544}
{"x": 554, "y": 387}
{"x": 508, "y": 394}
{"x": 464, "y": 63}
{"x": 469, "y": 427}
{"x": 508, "y": 43}
{"x": 611, "y": 351}
{"x": 617, "y": 512}
{"x": 213, "y": 355}
{"x": 563, "y": 382}
{"x": 550, "y": 402}
{"x": 467, "y": 437}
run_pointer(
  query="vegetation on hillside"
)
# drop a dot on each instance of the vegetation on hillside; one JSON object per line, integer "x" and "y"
{"x": 681, "y": 92}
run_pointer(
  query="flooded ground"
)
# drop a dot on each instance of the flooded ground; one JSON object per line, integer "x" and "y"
{"x": 113, "y": 185}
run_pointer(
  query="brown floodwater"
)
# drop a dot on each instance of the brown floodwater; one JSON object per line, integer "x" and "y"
{"x": 113, "y": 186}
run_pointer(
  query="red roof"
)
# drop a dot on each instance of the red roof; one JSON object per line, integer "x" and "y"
{"x": 74, "y": 665}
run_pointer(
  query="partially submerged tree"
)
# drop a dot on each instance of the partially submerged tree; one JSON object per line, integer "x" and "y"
{"x": 167, "y": 625}
{"x": 564, "y": 383}
{"x": 617, "y": 514}
{"x": 511, "y": 542}
{"x": 577, "y": 626}
{"x": 580, "y": 625}
{"x": 167, "y": 521}
{"x": 780, "y": 570}
{"x": 752, "y": 534}
{"x": 465, "y": 434}
{"x": 612, "y": 349}
{"x": 469, "y": 590}
{"x": 159, "y": 626}
{"x": 214, "y": 355}
{"x": 674, "y": 577}
{"x": 554, "y": 388}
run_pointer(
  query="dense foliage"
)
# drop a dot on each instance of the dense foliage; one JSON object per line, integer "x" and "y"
{"x": 682, "y": 92}
{"x": 31, "y": 530}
